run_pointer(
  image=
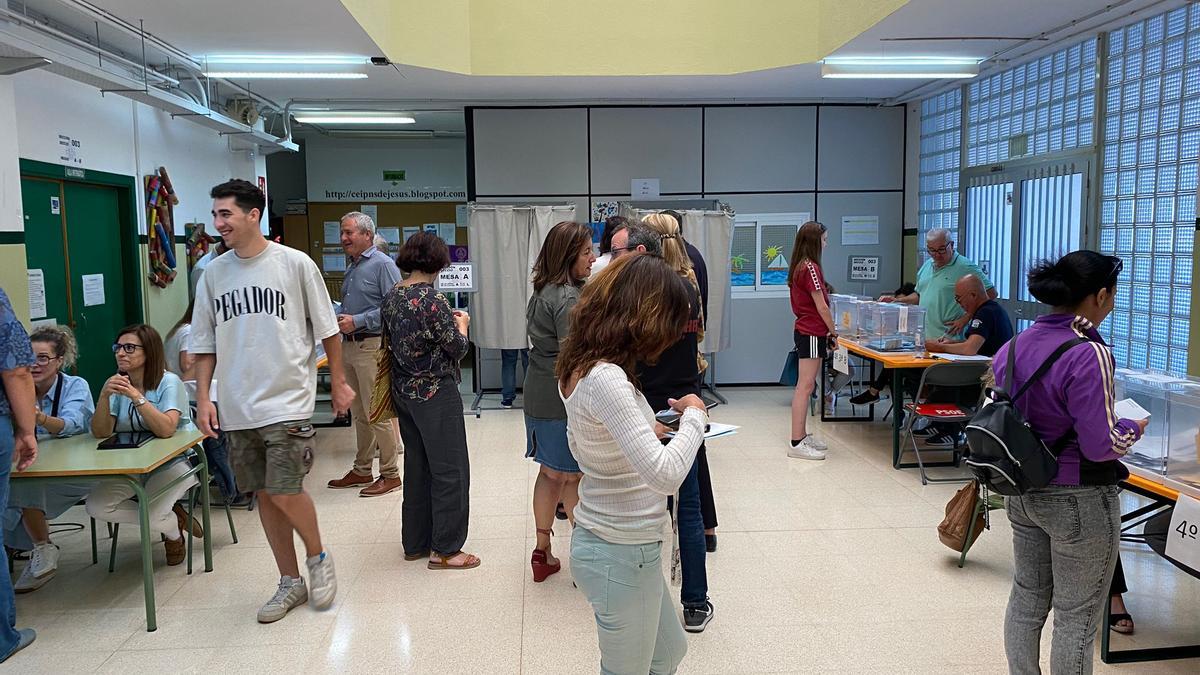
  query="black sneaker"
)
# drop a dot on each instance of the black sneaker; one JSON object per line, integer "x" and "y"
{"x": 506, "y": 403}
{"x": 696, "y": 618}
{"x": 865, "y": 398}
{"x": 943, "y": 441}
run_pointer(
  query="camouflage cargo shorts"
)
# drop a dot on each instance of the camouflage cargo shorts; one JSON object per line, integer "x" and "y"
{"x": 274, "y": 458}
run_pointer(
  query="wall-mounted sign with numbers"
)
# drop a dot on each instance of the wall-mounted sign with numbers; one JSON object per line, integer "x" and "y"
{"x": 864, "y": 268}
{"x": 459, "y": 277}
{"x": 1183, "y": 537}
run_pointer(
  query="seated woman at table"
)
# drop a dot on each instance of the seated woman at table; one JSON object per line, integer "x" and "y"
{"x": 144, "y": 396}
{"x": 64, "y": 409}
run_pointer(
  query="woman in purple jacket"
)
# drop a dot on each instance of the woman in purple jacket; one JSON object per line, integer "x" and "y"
{"x": 1065, "y": 535}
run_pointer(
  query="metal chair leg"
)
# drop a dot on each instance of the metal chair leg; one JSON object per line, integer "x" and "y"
{"x": 229, "y": 516}
{"x": 190, "y": 536}
{"x": 114, "y": 529}
{"x": 95, "y": 552}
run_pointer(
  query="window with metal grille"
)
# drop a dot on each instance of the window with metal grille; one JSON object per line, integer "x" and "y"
{"x": 1148, "y": 193}
{"x": 1041, "y": 107}
{"x": 941, "y": 159}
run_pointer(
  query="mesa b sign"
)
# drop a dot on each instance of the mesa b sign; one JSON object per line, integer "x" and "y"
{"x": 864, "y": 268}
{"x": 458, "y": 278}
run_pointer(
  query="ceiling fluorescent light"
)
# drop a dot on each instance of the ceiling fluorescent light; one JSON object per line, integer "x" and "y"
{"x": 287, "y": 59}
{"x": 358, "y": 118}
{"x": 922, "y": 68}
{"x": 267, "y": 75}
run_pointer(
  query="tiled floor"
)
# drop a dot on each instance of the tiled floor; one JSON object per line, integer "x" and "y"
{"x": 827, "y": 566}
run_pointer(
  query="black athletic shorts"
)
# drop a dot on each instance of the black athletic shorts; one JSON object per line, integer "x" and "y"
{"x": 811, "y": 346}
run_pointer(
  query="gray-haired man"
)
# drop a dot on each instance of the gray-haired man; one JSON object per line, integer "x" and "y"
{"x": 369, "y": 276}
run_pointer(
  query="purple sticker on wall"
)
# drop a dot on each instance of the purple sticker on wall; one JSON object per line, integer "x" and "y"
{"x": 459, "y": 254}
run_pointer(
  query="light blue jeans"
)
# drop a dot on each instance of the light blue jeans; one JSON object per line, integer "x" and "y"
{"x": 635, "y": 618}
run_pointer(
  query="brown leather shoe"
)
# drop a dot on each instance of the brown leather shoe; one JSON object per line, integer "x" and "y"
{"x": 350, "y": 480}
{"x": 382, "y": 486}
{"x": 181, "y": 517}
{"x": 176, "y": 550}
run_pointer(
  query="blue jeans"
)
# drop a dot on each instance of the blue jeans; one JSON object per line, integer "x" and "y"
{"x": 508, "y": 371}
{"x": 638, "y": 629}
{"x": 692, "y": 550}
{"x": 8, "y": 603}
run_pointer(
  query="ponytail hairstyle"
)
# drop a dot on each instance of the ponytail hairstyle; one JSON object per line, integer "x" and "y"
{"x": 1073, "y": 278}
{"x": 63, "y": 340}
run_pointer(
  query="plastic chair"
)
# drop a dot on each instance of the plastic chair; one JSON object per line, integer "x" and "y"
{"x": 951, "y": 378}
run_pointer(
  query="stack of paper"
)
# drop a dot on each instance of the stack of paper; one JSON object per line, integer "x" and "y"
{"x": 961, "y": 357}
{"x": 715, "y": 430}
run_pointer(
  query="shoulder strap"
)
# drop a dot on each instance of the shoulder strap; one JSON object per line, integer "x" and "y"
{"x": 1042, "y": 370}
{"x": 58, "y": 387}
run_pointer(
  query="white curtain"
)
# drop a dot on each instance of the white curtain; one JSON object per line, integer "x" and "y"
{"x": 504, "y": 241}
{"x": 711, "y": 232}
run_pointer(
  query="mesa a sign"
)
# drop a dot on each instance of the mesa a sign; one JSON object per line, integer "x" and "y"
{"x": 458, "y": 278}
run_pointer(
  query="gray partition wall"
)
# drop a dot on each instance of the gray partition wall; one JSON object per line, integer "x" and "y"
{"x": 827, "y": 160}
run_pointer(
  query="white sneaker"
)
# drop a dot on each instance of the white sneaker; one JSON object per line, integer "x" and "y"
{"x": 322, "y": 580}
{"x": 806, "y": 450}
{"x": 291, "y": 593}
{"x": 817, "y": 443}
{"x": 43, "y": 563}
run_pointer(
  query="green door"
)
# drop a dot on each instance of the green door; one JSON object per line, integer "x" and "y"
{"x": 45, "y": 244}
{"x": 94, "y": 251}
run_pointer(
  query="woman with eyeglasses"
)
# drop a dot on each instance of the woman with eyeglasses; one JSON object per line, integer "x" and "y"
{"x": 814, "y": 331}
{"x": 64, "y": 408}
{"x": 144, "y": 397}
{"x": 1065, "y": 536}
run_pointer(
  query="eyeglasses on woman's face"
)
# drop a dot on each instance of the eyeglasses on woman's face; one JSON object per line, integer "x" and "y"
{"x": 45, "y": 359}
{"x": 127, "y": 347}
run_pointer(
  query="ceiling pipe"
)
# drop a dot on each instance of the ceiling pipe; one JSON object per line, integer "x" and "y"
{"x": 114, "y": 21}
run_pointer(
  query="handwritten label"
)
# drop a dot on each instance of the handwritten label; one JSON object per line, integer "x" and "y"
{"x": 841, "y": 360}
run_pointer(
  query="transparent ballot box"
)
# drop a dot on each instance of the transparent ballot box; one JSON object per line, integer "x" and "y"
{"x": 892, "y": 326}
{"x": 847, "y": 314}
{"x": 1171, "y": 444}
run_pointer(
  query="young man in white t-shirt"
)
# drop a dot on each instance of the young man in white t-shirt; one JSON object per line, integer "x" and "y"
{"x": 259, "y": 311}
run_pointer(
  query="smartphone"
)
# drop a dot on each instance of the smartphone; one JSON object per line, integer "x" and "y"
{"x": 670, "y": 418}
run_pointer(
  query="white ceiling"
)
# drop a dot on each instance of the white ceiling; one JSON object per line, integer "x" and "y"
{"x": 325, "y": 26}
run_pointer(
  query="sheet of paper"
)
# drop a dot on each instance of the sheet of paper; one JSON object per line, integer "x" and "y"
{"x": 93, "y": 290}
{"x": 391, "y": 234}
{"x": 333, "y": 232}
{"x": 961, "y": 357}
{"x": 1183, "y": 536}
{"x": 410, "y": 231}
{"x": 373, "y": 211}
{"x": 904, "y": 318}
{"x": 333, "y": 262}
{"x": 42, "y": 323}
{"x": 1128, "y": 409}
{"x": 860, "y": 230}
{"x": 715, "y": 430}
{"x": 37, "y": 294}
{"x": 841, "y": 360}
{"x": 446, "y": 232}
{"x": 431, "y": 227}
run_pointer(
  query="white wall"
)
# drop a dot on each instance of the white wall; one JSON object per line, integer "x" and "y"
{"x": 351, "y": 169}
{"x": 118, "y": 136}
{"x": 829, "y": 161}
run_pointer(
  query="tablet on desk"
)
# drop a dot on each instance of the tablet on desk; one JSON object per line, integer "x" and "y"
{"x": 126, "y": 439}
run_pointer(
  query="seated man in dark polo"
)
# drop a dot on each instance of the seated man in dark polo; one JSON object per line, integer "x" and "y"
{"x": 988, "y": 329}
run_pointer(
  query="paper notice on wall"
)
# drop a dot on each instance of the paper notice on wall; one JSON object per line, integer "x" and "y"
{"x": 331, "y": 262}
{"x": 333, "y": 232}
{"x": 860, "y": 230}
{"x": 644, "y": 188}
{"x": 390, "y": 234}
{"x": 93, "y": 290}
{"x": 372, "y": 210}
{"x": 446, "y": 232}
{"x": 431, "y": 227}
{"x": 42, "y": 323}
{"x": 37, "y": 294}
{"x": 410, "y": 231}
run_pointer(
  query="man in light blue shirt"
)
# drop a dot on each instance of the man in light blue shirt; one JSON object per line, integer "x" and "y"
{"x": 935, "y": 286}
{"x": 369, "y": 277}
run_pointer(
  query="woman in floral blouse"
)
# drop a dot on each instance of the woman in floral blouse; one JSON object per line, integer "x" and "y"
{"x": 426, "y": 340}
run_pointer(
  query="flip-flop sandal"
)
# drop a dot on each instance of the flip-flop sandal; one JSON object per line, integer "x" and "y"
{"x": 471, "y": 562}
{"x": 1114, "y": 622}
{"x": 416, "y": 556}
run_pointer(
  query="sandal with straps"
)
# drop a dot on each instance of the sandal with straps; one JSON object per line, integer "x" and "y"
{"x": 1114, "y": 622}
{"x": 442, "y": 562}
{"x": 539, "y": 561}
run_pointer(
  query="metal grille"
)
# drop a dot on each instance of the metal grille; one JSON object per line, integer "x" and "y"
{"x": 1051, "y": 210}
{"x": 941, "y": 158}
{"x": 989, "y": 232}
{"x": 1040, "y": 107}
{"x": 1148, "y": 195}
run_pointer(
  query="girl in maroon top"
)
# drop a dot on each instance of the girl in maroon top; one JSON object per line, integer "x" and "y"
{"x": 814, "y": 332}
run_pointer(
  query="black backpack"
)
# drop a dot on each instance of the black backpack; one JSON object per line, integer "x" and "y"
{"x": 1003, "y": 451}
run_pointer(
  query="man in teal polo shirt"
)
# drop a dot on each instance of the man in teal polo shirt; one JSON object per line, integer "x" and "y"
{"x": 935, "y": 286}
{"x": 935, "y": 292}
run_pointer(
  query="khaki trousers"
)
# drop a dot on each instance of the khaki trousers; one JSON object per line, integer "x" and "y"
{"x": 359, "y": 360}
